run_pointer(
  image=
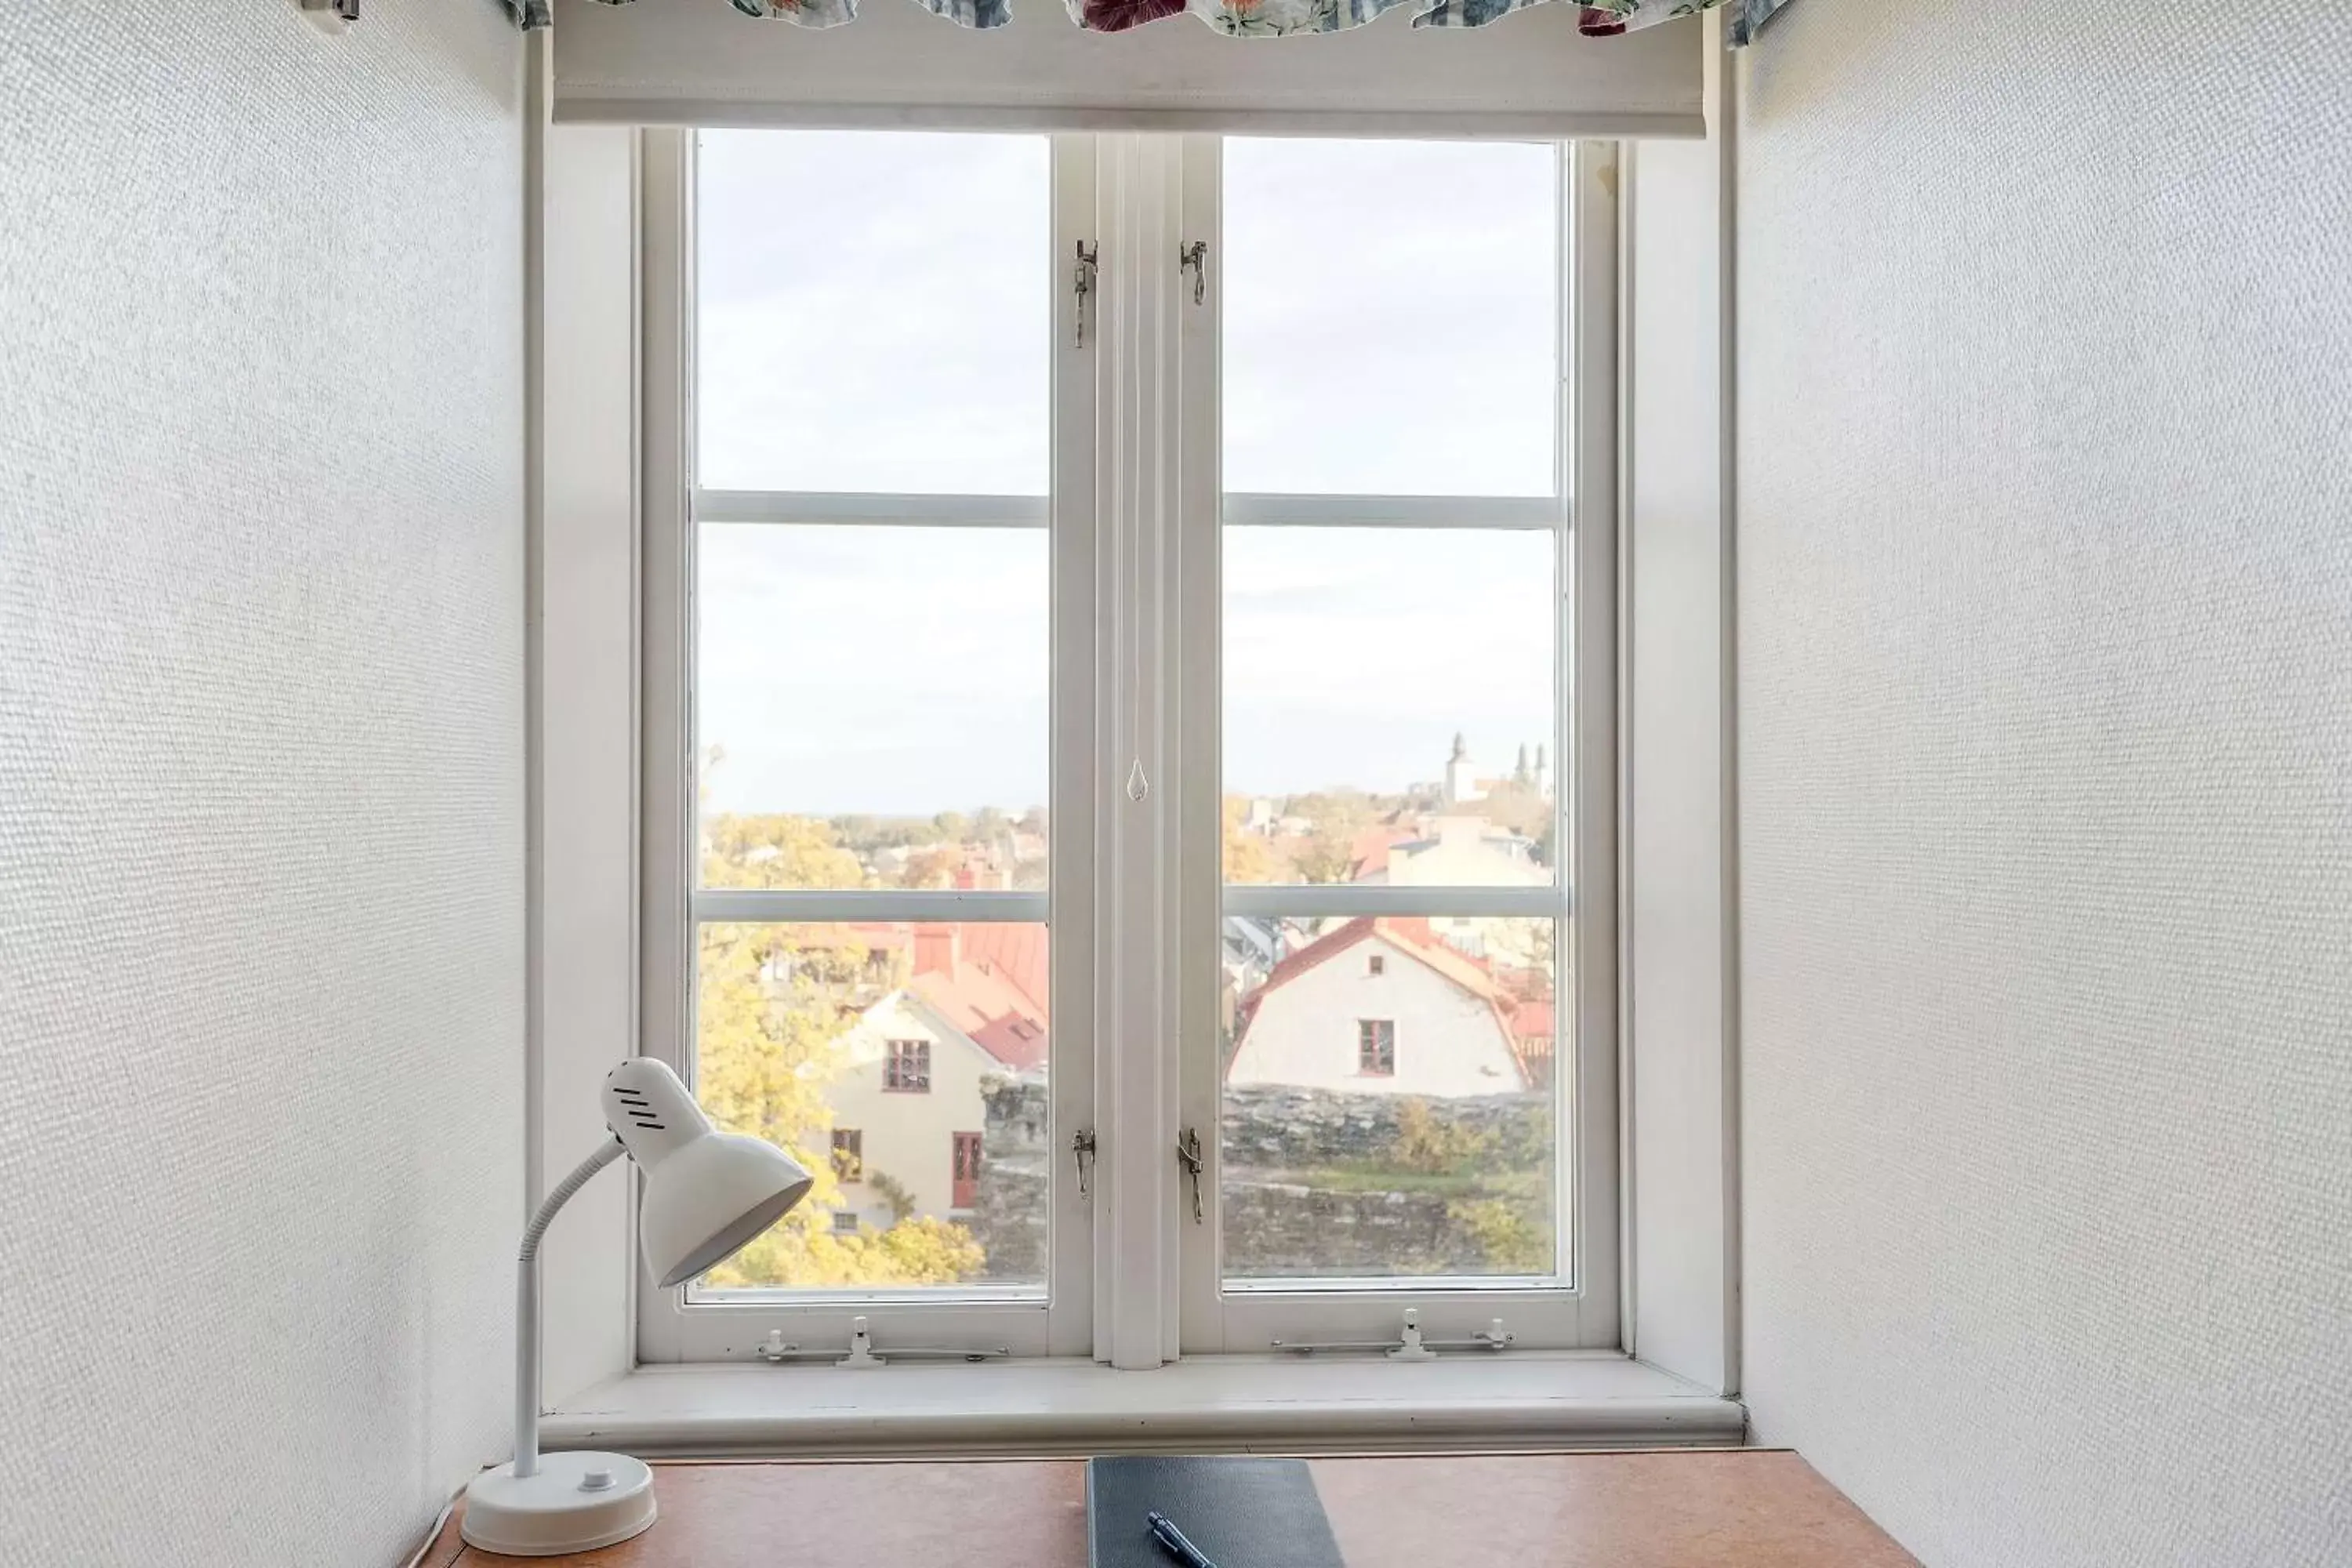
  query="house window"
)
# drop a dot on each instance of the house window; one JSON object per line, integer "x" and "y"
{"x": 966, "y": 1167}
{"x": 907, "y": 1069}
{"x": 1341, "y": 659}
{"x": 844, "y": 1222}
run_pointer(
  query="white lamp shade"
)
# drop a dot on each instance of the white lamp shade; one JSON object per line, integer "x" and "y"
{"x": 707, "y": 1194}
{"x": 708, "y": 1201}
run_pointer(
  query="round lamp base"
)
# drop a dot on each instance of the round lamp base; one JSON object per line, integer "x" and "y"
{"x": 576, "y": 1502}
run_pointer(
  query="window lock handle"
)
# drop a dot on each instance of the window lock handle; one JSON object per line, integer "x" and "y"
{"x": 1187, "y": 1155}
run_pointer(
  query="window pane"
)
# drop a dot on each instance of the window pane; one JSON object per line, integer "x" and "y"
{"x": 905, "y": 1065}
{"x": 1391, "y": 315}
{"x": 873, "y": 312}
{"x": 1389, "y": 715}
{"x": 871, "y": 706}
{"x": 1389, "y": 1101}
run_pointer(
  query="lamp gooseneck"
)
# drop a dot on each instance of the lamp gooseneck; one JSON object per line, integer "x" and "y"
{"x": 526, "y": 1430}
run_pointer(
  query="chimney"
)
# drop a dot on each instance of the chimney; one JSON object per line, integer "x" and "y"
{"x": 936, "y": 949}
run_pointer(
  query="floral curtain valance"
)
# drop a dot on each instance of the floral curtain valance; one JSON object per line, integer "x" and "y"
{"x": 1252, "y": 18}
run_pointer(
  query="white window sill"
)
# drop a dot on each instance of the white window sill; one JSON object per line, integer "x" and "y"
{"x": 1523, "y": 1399}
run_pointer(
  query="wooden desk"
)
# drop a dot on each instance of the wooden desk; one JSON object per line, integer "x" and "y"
{"x": 1753, "y": 1507}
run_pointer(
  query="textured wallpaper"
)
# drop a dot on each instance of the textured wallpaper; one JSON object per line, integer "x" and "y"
{"x": 2045, "y": 555}
{"x": 261, "y": 802}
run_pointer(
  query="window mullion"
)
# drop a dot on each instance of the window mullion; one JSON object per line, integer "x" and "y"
{"x": 1136, "y": 327}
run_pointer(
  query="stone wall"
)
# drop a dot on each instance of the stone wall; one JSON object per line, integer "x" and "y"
{"x": 1319, "y": 1183}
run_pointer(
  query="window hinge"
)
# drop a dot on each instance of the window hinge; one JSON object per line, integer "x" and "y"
{"x": 778, "y": 1350}
{"x": 1410, "y": 1345}
{"x": 1082, "y": 1150}
{"x": 1187, "y": 1155}
{"x": 1194, "y": 259}
{"x": 1082, "y": 285}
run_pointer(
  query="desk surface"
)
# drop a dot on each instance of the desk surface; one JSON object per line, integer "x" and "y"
{"x": 1755, "y": 1507}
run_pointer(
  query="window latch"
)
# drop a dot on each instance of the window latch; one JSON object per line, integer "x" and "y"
{"x": 1194, "y": 259}
{"x": 776, "y": 1350}
{"x": 1410, "y": 1345}
{"x": 1082, "y": 1150}
{"x": 1081, "y": 286}
{"x": 1187, "y": 1155}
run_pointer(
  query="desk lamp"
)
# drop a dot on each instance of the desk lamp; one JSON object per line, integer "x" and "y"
{"x": 706, "y": 1195}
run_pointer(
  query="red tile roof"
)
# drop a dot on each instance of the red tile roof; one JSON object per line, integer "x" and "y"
{"x": 979, "y": 979}
{"x": 1018, "y": 952}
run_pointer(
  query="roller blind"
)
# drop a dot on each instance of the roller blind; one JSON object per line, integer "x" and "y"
{"x": 1528, "y": 74}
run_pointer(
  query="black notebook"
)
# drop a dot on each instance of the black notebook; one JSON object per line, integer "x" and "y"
{"x": 1241, "y": 1513}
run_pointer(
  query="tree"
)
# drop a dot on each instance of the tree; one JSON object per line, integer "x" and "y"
{"x": 934, "y": 866}
{"x": 1339, "y": 814}
{"x": 771, "y": 1003}
{"x": 1248, "y": 857}
{"x": 1324, "y": 858}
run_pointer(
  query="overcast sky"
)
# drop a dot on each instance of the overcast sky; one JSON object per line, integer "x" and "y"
{"x": 875, "y": 311}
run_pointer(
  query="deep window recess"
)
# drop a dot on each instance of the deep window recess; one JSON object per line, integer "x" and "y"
{"x": 928, "y": 695}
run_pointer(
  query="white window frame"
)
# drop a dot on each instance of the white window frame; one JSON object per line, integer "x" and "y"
{"x": 1136, "y": 513}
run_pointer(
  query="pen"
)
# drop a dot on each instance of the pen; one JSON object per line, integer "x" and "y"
{"x": 1172, "y": 1540}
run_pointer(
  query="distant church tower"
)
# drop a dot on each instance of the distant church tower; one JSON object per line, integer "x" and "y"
{"x": 1461, "y": 774}
{"x": 1543, "y": 775}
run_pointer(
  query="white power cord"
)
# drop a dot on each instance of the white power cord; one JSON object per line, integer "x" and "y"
{"x": 417, "y": 1557}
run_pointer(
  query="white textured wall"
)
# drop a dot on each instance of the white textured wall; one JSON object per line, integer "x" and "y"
{"x": 2045, "y": 661}
{"x": 260, "y": 774}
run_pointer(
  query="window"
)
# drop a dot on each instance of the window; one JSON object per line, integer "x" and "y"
{"x": 965, "y": 1157}
{"x": 1080, "y": 641}
{"x": 907, "y": 1069}
{"x": 1397, "y": 601}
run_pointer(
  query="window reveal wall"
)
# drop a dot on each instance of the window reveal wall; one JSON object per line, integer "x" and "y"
{"x": 261, "y": 677}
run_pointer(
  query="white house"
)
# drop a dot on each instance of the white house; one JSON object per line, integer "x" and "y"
{"x": 1385, "y": 1006}
{"x": 907, "y": 1102}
